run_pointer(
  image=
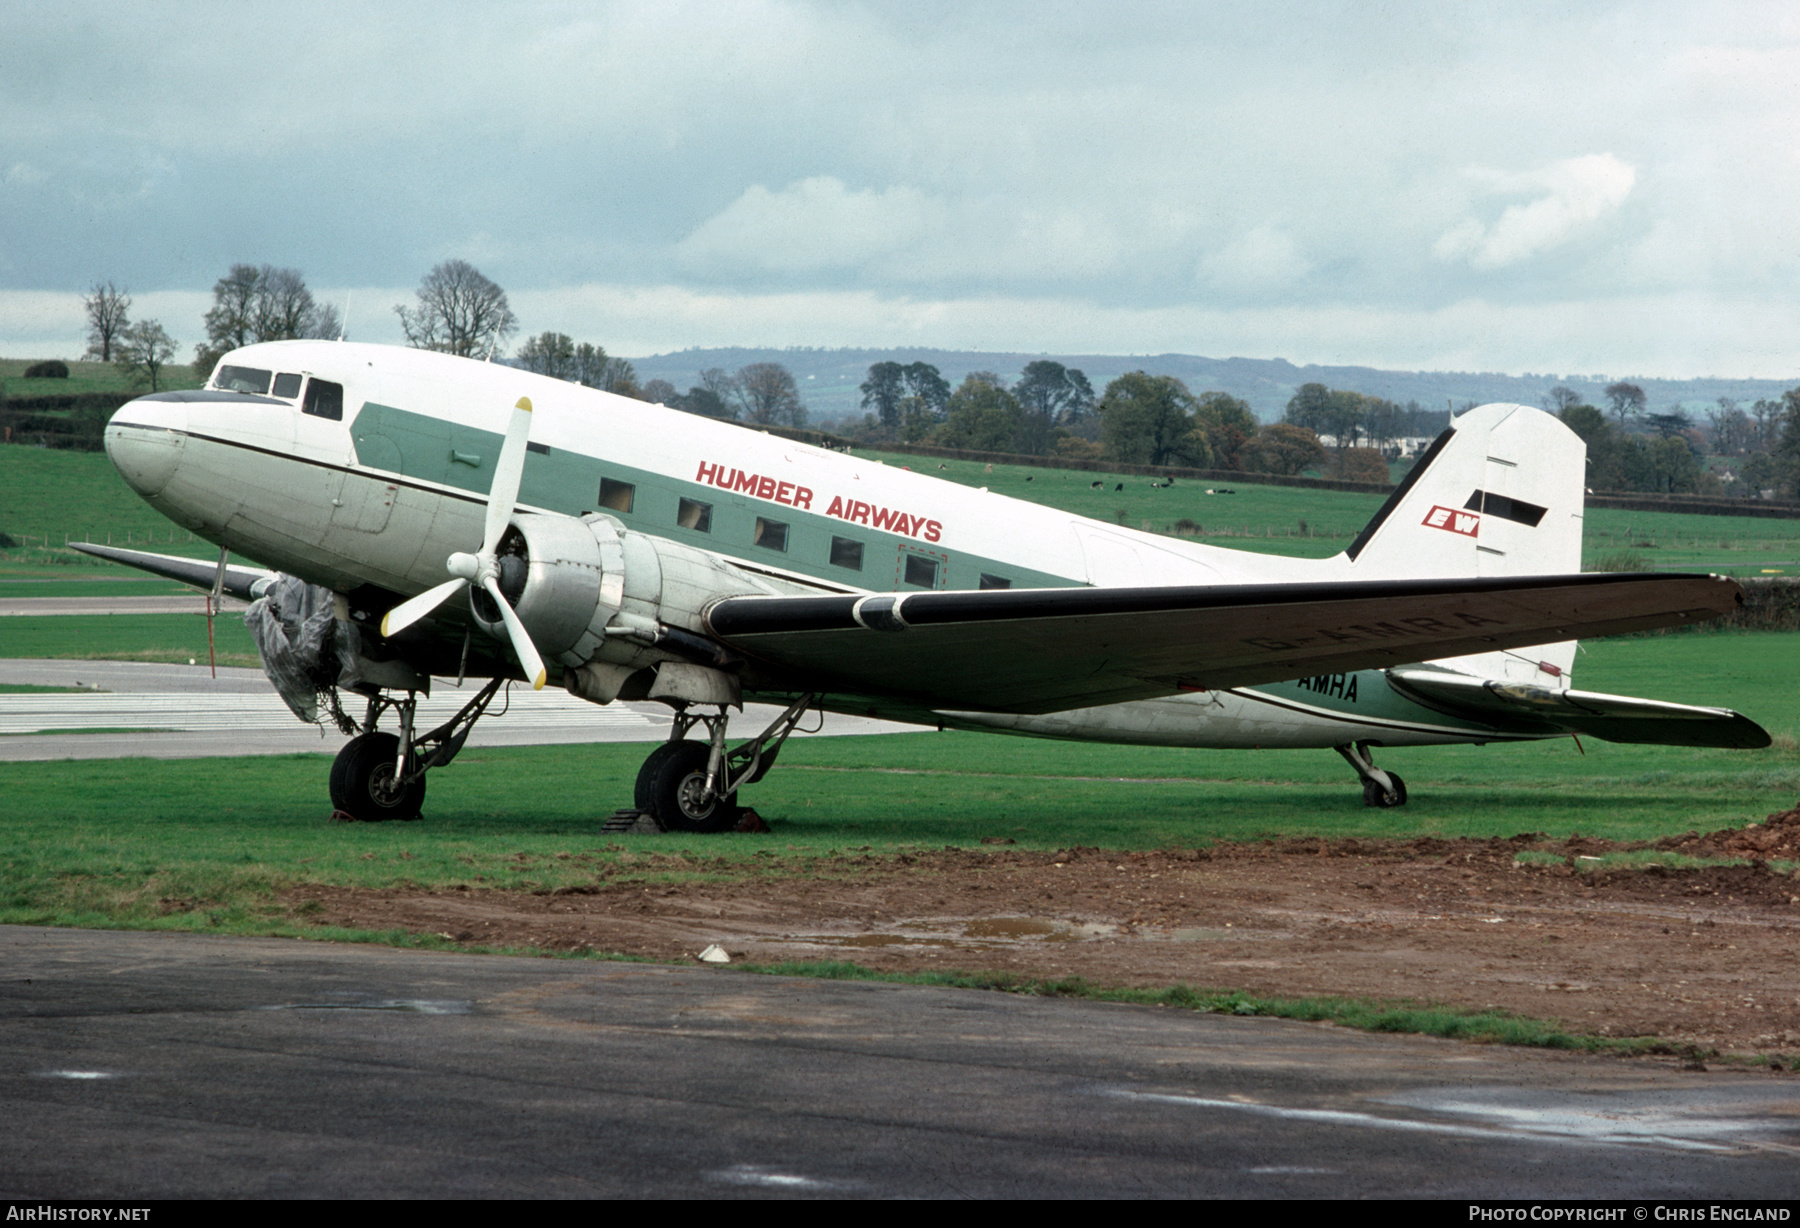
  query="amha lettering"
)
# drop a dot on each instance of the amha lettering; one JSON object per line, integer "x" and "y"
{"x": 1338, "y": 686}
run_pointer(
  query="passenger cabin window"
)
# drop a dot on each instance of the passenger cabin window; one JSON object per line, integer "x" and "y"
{"x": 921, "y": 572}
{"x": 694, "y": 515}
{"x": 988, "y": 581}
{"x": 770, "y": 535}
{"x": 241, "y": 379}
{"x": 846, "y": 553}
{"x": 616, "y": 496}
{"x": 324, "y": 399}
{"x": 287, "y": 384}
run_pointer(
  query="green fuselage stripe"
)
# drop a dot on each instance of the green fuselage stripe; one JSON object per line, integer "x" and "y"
{"x": 436, "y": 450}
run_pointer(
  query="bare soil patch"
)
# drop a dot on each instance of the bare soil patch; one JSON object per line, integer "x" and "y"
{"x": 1704, "y": 956}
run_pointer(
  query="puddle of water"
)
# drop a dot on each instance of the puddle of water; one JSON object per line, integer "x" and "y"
{"x": 415, "y": 1006}
{"x": 758, "y": 1175}
{"x": 1016, "y": 927}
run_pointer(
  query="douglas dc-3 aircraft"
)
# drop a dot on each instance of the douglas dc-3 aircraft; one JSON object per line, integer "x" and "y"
{"x": 427, "y": 515}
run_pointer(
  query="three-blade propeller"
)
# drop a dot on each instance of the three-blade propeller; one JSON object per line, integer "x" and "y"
{"x": 483, "y": 568}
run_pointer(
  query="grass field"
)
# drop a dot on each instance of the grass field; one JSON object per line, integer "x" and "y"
{"x": 174, "y": 638}
{"x": 84, "y": 377}
{"x": 210, "y": 843}
{"x": 47, "y": 497}
{"x": 1319, "y": 523}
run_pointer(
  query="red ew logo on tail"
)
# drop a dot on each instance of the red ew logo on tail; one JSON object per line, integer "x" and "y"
{"x": 1453, "y": 521}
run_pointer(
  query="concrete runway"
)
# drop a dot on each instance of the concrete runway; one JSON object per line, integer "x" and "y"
{"x": 143, "y": 1065}
{"x": 182, "y": 712}
{"x": 193, "y": 603}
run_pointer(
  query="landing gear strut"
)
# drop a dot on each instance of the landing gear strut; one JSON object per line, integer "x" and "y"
{"x": 1381, "y": 789}
{"x": 379, "y": 775}
{"x": 692, "y": 786}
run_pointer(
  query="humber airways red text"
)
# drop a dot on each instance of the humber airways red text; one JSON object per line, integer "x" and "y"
{"x": 853, "y": 510}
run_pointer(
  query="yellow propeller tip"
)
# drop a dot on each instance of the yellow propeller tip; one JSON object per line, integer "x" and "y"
{"x": 524, "y": 404}
{"x": 538, "y": 683}
{"x": 384, "y": 626}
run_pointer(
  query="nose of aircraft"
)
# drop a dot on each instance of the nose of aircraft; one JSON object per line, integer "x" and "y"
{"x": 144, "y": 440}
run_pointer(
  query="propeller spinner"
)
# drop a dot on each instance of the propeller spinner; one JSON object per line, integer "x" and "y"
{"x": 483, "y": 568}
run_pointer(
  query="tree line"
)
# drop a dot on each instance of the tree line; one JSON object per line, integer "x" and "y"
{"x": 1739, "y": 452}
{"x": 1051, "y": 409}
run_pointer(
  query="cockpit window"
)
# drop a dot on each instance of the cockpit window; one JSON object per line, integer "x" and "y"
{"x": 324, "y": 399}
{"x": 241, "y": 379}
{"x": 287, "y": 385}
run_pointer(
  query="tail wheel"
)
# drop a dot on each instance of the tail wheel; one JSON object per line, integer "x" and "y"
{"x": 1375, "y": 795}
{"x": 676, "y": 774}
{"x": 363, "y": 785}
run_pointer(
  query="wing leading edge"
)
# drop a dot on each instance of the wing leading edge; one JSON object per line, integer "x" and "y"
{"x": 1045, "y": 650}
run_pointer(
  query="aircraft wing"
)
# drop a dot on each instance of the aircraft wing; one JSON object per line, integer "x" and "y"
{"x": 239, "y": 581}
{"x": 1046, "y": 650}
{"x": 1521, "y": 708}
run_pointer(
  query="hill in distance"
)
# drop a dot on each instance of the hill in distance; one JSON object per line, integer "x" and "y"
{"x": 830, "y": 380}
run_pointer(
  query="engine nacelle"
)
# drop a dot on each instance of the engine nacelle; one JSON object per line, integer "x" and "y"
{"x": 596, "y": 595}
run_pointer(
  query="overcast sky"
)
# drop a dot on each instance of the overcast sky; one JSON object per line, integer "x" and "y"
{"x": 1560, "y": 188}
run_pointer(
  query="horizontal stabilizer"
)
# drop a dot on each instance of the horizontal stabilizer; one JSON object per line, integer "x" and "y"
{"x": 239, "y": 581}
{"x": 1518, "y": 708}
{"x": 1046, "y": 650}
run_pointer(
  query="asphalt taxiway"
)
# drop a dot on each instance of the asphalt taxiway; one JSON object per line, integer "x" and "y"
{"x": 151, "y": 1065}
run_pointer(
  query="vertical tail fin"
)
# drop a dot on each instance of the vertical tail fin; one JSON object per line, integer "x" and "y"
{"x": 1501, "y": 493}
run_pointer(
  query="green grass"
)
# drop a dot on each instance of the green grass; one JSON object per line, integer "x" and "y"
{"x": 214, "y": 845}
{"x": 113, "y": 837}
{"x": 1269, "y": 519}
{"x": 47, "y": 497}
{"x": 85, "y": 377}
{"x": 128, "y": 637}
{"x": 1264, "y": 518}
{"x": 133, "y": 584}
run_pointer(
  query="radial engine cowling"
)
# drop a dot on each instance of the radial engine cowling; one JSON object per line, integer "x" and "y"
{"x": 562, "y": 576}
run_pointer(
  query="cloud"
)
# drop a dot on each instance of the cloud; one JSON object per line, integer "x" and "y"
{"x": 815, "y": 225}
{"x": 1576, "y": 193}
{"x": 1260, "y": 259}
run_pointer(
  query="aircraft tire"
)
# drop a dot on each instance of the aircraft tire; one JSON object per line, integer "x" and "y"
{"x": 1375, "y": 795}
{"x": 366, "y": 763}
{"x": 645, "y": 790}
{"x": 675, "y": 790}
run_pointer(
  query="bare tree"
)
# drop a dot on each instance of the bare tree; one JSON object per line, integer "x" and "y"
{"x": 768, "y": 394}
{"x": 108, "y": 310}
{"x": 284, "y": 307}
{"x": 1628, "y": 400}
{"x": 143, "y": 352}
{"x": 266, "y": 303}
{"x": 1560, "y": 398}
{"x": 459, "y": 312}
{"x": 551, "y": 354}
{"x": 595, "y": 368}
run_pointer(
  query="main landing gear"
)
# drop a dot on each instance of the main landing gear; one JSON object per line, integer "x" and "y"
{"x": 380, "y": 775}
{"x": 1382, "y": 789}
{"x": 692, "y": 786}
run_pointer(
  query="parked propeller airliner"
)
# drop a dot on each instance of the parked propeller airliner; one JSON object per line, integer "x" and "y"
{"x": 423, "y": 515}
